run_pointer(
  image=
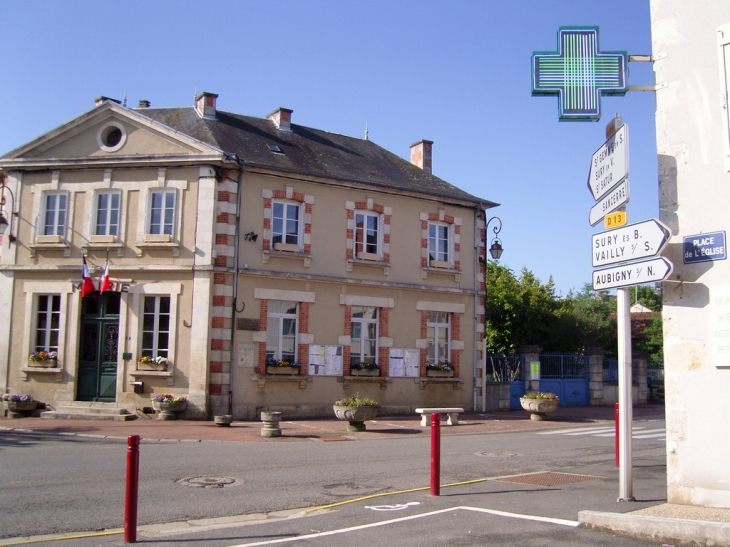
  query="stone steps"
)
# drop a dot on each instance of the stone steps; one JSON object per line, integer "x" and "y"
{"x": 89, "y": 411}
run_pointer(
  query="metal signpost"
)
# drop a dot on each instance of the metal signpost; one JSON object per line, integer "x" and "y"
{"x": 609, "y": 164}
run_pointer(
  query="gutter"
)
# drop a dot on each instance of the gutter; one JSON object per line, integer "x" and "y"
{"x": 236, "y": 251}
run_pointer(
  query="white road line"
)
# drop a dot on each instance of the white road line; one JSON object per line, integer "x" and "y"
{"x": 404, "y": 519}
{"x": 571, "y": 430}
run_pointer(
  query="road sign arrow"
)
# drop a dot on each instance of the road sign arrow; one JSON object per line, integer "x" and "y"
{"x": 609, "y": 164}
{"x": 631, "y": 242}
{"x": 617, "y": 198}
{"x": 637, "y": 273}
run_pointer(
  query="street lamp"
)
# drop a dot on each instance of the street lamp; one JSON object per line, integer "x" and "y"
{"x": 496, "y": 251}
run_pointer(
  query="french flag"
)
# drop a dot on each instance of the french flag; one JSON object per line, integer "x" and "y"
{"x": 106, "y": 284}
{"x": 87, "y": 285}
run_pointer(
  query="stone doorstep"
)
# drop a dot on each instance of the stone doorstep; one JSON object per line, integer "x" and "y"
{"x": 89, "y": 412}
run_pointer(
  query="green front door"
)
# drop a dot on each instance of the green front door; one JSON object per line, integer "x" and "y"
{"x": 97, "y": 380}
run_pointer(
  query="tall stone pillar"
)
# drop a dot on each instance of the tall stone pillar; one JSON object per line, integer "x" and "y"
{"x": 640, "y": 364}
{"x": 595, "y": 375}
{"x": 530, "y": 354}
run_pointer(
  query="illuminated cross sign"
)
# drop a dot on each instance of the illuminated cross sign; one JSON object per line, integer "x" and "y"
{"x": 579, "y": 74}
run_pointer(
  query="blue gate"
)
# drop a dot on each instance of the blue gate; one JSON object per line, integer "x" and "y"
{"x": 566, "y": 375}
{"x": 508, "y": 368}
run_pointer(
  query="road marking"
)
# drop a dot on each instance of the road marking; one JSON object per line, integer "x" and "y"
{"x": 397, "y": 507}
{"x": 587, "y": 431}
{"x": 411, "y": 517}
{"x": 637, "y": 432}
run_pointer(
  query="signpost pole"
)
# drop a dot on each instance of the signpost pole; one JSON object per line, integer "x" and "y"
{"x": 625, "y": 403}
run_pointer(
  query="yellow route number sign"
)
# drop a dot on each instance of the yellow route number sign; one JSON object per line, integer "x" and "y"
{"x": 614, "y": 220}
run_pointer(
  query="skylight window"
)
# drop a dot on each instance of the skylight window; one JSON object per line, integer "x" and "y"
{"x": 275, "y": 148}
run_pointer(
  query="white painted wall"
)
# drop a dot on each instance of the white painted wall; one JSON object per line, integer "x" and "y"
{"x": 694, "y": 194}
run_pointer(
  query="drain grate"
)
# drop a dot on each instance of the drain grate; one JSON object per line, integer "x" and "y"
{"x": 208, "y": 482}
{"x": 548, "y": 479}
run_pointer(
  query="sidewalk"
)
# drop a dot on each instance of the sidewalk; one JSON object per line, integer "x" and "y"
{"x": 324, "y": 429}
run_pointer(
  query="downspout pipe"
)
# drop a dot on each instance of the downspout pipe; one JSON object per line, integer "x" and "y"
{"x": 236, "y": 256}
{"x": 477, "y": 213}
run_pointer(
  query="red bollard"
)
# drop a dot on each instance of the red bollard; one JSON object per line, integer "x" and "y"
{"x": 616, "y": 418}
{"x": 132, "y": 488}
{"x": 435, "y": 454}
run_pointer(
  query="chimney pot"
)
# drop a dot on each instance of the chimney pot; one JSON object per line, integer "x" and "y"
{"x": 282, "y": 118}
{"x": 205, "y": 105}
{"x": 143, "y": 103}
{"x": 421, "y": 154}
{"x": 103, "y": 99}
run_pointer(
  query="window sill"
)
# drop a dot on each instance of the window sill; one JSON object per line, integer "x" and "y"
{"x": 174, "y": 247}
{"x": 382, "y": 380}
{"x": 305, "y": 258}
{"x": 302, "y": 379}
{"x": 424, "y": 381}
{"x": 440, "y": 271}
{"x": 167, "y": 374}
{"x": 368, "y": 263}
{"x": 58, "y": 371}
{"x": 65, "y": 247}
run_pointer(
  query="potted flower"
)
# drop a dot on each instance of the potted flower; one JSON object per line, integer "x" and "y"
{"x": 46, "y": 359}
{"x": 167, "y": 405}
{"x": 282, "y": 366}
{"x": 356, "y": 410}
{"x": 364, "y": 369}
{"x": 442, "y": 369}
{"x": 147, "y": 362}
{"x": 18, "y": 404}
{"x": 539, "y": 404}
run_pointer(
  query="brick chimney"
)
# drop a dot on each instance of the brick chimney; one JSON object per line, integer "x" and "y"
{"x": 421, "y": 154}
{"x": 282, "y": 118}
{"x": 144, "y": 103}
{"x": 102, "y": 99}
{"x": 205, "y": 105}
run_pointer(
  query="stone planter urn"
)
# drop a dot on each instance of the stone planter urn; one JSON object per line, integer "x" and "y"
{"x": 168, "y": 410}
{"x": 20, "y": 409}
{"x": 45, "y": 363}
{"x": 356, "y": 415}
{"x": 539, "y": 408}
{"x": 287, "y": 371}
{"x": 223, "y": 421}
{"x": 364, "y": 372}
{"x": 271, "y": 424}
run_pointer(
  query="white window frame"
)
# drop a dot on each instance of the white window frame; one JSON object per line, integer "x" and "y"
{"x": 285, "y": 245}
{"x": 155, "y": 350}
{"x": 138, "y": 292}
{"x": 107, "y": 225}
{"x": 48, "y": 329}
{"x": 280, "y": 317}
{"x": 361, "y": 248}
{"x": 433, "y": 343}
{"x": 173, "y": 224}
{"x": 363, "y": 322}
{"x": 56, "y": 226}
{"x": 440, "y": 260}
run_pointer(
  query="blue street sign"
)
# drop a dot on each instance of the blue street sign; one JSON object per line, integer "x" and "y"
{"x": 705, "y": 247}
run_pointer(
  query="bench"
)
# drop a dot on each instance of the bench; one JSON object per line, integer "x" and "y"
{"x": 453, "y": 414}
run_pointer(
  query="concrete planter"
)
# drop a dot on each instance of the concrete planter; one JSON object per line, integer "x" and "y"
{"x": 20, "y": 409}
{"x": 271, "y": 426}
{"x": 364, "y": 372}
{"x": 168, "y": 410}
{"x": 287, "y": 371}
{"x": 356, "y": 415}
{"x": 539, "y": 407}
{"x": 223, "y": 421}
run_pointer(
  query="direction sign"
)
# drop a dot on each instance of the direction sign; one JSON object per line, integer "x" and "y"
{"x": 609, "y": 164}
{"x": 631, "y": 242}
{"x": 616, "y": 198}
{"x": 637, "y": 273}
{"x": 614, "y": 220}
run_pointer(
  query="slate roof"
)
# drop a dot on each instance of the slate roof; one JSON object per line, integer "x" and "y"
{"x": 307, "y": 151}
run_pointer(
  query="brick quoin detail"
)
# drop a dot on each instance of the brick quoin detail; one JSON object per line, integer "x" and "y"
{"x": 216, "y": 366}
{"x": 221, "y": 261}
{"x": 221, "y": 239}
{"x": 224, "y": 196}
{"x": 216, "y": 345}
{"x": 219, "y": 301}
{"x": 383, "y": 353}
{"x": 455, "y": 335}
{"x": 263, "y": 313}
{"x": 424, "y": 352}
{"x": 219, "y": 278}
{"x": 222, "y": 218}
{"x": 217, "y": 322}
{"x": 215, "y": 389}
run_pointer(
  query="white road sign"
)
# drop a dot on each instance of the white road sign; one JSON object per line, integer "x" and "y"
{"x": 636, "y": 273}
{"x": 631, "y": 242}
{"x": 616, "y": 198}
{"x": 609, "y": 164}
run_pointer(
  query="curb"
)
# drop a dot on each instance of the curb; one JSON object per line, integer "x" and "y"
{"x": 693, "y": 532}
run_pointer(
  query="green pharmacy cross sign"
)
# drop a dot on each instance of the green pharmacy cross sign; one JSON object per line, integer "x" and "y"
{"x": 578, "y": 73}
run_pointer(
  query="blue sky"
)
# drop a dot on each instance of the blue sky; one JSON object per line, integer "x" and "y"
{"x": 456, "y": 73}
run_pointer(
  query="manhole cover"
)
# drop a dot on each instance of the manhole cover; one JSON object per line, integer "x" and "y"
{"x": 548, "y": 479}
{"x": 498, "y": 454}
{"x": 208, "y": 482}
{"x": 351, "y": 489}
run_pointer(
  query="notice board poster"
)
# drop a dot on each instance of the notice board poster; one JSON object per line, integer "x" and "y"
{"x": 720, "y": 325}
{"x": 404, "y": 362}
{"x": 325, "y": 360}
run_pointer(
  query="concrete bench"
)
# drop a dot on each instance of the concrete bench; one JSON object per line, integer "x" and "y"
{"x": 453, "y": 414}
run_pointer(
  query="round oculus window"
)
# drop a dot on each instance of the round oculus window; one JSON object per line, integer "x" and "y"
{"x": 111, "y": 137}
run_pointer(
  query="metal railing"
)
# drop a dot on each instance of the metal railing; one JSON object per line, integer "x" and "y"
{"x": 504, "y": 368}
{"x": 563, "y": 365}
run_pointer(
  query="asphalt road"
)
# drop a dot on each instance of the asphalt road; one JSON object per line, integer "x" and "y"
{"x": 52, "y": 484}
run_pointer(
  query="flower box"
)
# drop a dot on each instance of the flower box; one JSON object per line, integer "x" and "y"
{"x": 22, "y": 406}
{"x": 289, "y": 371}
{"x": 440, "y": 373}
{"x": 364, "y": 372}
{"x": 45, "y": 363}
{"x": 151, "y": 366}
